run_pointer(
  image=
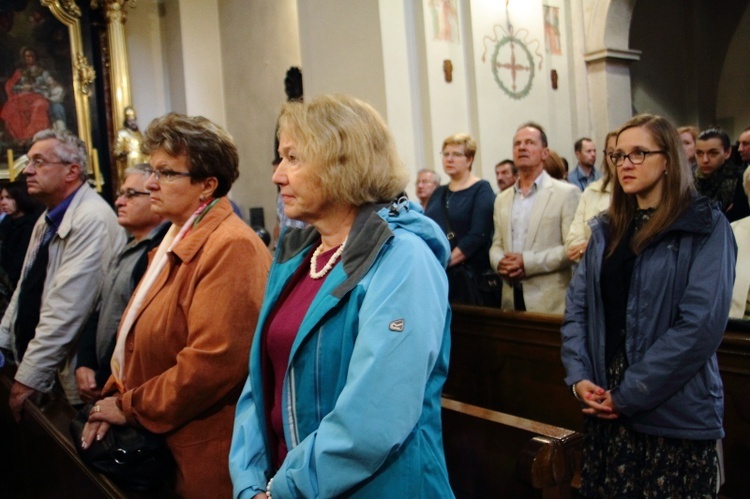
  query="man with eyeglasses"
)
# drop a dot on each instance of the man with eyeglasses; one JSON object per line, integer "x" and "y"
{"x": 146, "y": 230}
{"x": 72, "y": 244}
{"x": 717, "y": 177}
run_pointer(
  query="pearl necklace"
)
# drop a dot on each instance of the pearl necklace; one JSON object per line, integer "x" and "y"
{"x": 328, "y": 266}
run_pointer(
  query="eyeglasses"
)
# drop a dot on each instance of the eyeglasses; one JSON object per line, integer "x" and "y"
{"x": 131, "y": 193}
{"x": 39, "y": 162}
{"x": 635, "y": 157}
{"x": 166, "y": 175}
{"x": 453, "y": 155}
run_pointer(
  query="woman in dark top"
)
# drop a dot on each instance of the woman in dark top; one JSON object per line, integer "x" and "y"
{"x": 645, "y": 313}
{"x": 15, "y": 229}
{"x": 463, "y": 209}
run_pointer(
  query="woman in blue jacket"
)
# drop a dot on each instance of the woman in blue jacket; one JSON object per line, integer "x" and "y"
{"x": 645, "y": 313}
{"x": 352, "y": 346}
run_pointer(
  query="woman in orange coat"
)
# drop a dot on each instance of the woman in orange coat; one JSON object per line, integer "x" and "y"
{"x": 182, "y": 349}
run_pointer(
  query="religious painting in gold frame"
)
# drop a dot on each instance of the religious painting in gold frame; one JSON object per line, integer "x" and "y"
{"x": 45, "y": 77}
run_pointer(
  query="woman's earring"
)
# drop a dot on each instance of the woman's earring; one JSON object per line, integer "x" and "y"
{"x": 203, "y": 198}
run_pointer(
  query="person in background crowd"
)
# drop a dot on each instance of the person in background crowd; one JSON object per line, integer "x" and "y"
{"x": 743, "y": 149}
{"x": 594, "y": 200}
{"x": 182, "y": 349}
{"x": 554, "y": 166}
{"x": 22, "y": 212}
{"x": 649, "y": 382}
{"x": 506, "y": 174}
{"x": 688, "y": 136}
{"x": 344, "y": 290}
{"x": 427, "y": 181}
{"x": 463, "y": 209}
{"x": 531, "y": 222}
{"x": 585, "y": 171}
{"x": 72, "y": 244}
{"x": 146, "y": 230}
{"x": 718, "y": 178}
{"x": 741, "y": 292}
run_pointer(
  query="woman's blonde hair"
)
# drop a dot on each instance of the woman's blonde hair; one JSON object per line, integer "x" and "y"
{"x": 608, "y": 172}
{"x": 462, "y": 139}
{"x": 676, "y": 195}
{"x": 349, "y": 145}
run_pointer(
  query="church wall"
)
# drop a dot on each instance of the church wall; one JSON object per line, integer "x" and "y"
{"x": 387, "y": 53}
{"x": 175, "y": 59}
{"x": 693, "y": 69}
{"x": 504, "y": 103}
{"x": 260, "y": 42}
{"x": 202, "y": 57}
{"x": 148, "y": 81}
{"x": 733, "y": 106}
{"x": 341, "y": 49}
{"x": 404, "y": 72}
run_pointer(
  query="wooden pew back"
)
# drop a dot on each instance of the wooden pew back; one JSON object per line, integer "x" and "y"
{"x": 510, "y": 362}
{"x": 492, "y": 454}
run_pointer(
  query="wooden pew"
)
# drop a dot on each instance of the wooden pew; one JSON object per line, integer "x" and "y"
{"x": 37, "y": 457}
{"x": 492, "y": 454}
{"x": 510, "y": 362}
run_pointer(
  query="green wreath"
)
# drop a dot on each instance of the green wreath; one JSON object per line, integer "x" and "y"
{"x": 524, "y": 91}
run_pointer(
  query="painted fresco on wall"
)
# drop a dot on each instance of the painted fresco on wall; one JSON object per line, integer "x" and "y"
{"x": 36, "y": 75}
{"x": 444, "y": 15}
{"x": 552, "y": 30}
{"x": 513, "y": 59}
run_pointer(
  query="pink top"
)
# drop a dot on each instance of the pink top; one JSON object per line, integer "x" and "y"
{"x": 279, "y": 335}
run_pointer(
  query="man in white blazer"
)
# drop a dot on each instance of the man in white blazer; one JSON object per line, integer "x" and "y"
{"x": 531, "y": 222}
{"x": 741, "y": 228}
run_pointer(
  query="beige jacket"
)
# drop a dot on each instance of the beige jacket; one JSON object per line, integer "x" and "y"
{"x": 546, "y": 265}
{"x": 741, "y": 289}
{"x": 594, "y": 200}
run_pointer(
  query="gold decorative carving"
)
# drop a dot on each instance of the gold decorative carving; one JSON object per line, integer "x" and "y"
{"x": 115, "y": 9}
{"x": 85, "y": 73}
{"x": 70, "y": 7}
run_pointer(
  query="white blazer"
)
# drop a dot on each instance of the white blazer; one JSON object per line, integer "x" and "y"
{"x": 546, "y": 265}
{"x": 741, "y": 289}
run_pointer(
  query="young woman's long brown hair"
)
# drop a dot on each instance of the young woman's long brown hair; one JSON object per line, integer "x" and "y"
{"x": 676, "y": 195}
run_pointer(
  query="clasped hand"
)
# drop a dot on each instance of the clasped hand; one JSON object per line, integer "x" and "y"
{"x": 598, "y": 400}
{"x": 101, "y": 419}
{"x": 511, "y": 267}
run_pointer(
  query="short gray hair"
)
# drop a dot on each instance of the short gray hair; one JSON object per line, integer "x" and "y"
{"x": 69, "y": 148}
{"x": 139, "y": 169}
{"x": 434, "y": 174}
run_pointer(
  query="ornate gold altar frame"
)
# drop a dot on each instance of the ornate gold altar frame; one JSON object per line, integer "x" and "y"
{"x": 69, "y": 14}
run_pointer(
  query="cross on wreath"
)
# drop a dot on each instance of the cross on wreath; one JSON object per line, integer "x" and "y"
{"x": 515, "y": 67}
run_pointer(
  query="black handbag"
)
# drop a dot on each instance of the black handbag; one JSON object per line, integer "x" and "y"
{"x": 132, "y": 457}
{"x": 465, "y": 285}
